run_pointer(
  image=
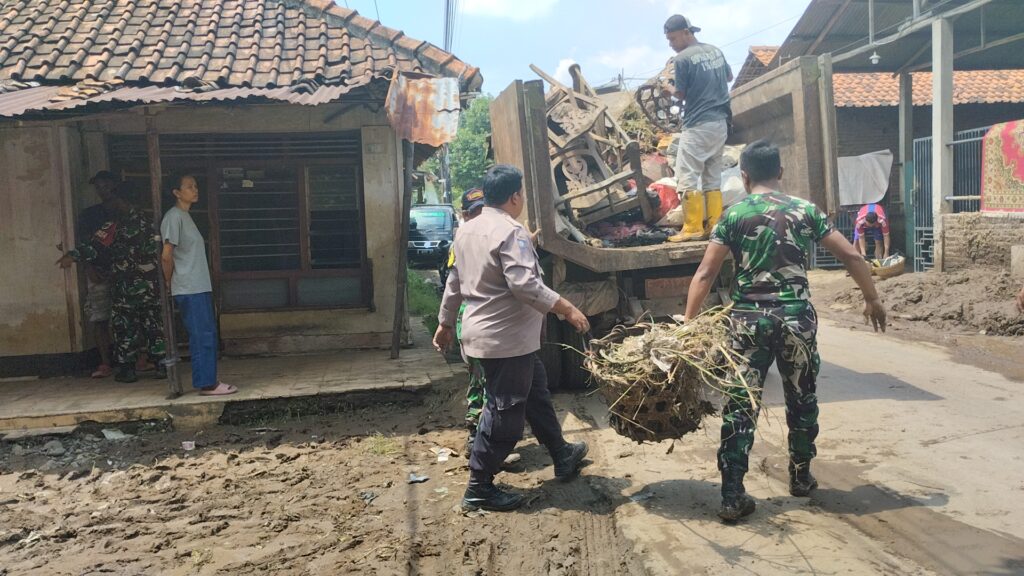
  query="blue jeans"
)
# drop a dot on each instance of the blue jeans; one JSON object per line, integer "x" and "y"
{"x": 197, "y": 312}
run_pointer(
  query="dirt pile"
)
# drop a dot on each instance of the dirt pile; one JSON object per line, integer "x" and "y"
{"x": 976, "y": 300}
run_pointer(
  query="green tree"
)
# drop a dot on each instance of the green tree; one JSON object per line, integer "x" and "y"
{"x": 468, "y": 152}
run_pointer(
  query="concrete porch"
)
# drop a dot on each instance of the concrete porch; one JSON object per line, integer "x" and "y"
{"x": 31, "y": 404}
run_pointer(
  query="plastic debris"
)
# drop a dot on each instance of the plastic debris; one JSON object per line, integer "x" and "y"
{"x": 188, "y": 445}
{"x": 416, "y": 479}
{"x": 114, "y": 434}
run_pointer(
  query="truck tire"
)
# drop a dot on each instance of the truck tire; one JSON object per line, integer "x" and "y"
{"x": 551, "y": 352}
{"x": 574, "y": 375}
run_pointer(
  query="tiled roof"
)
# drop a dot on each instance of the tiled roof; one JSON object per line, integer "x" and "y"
{"x": 882, "y": 89}
{"x": 969, "y": 87}
{"x": 764, "y": 54}
{"x": 207, "y": 44}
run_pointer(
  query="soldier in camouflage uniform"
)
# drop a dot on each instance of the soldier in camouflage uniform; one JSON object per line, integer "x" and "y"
{"x": 770, "y": 236}
{"x": 130, "y": 245}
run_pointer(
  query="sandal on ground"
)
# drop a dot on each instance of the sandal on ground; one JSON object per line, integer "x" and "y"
{"x": 221, "y": 389}
{"x": 102, "y": 371}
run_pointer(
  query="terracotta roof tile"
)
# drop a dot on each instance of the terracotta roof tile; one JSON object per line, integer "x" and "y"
{"x": 251, "y": 43}
{"x": 882, "y": 89}
{"x": 969, "y": 87}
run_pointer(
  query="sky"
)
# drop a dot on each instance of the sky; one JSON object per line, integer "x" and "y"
{"x": 605, "y": 37}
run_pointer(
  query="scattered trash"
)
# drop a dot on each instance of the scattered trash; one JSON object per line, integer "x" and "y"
{"x": 415, "y": 479}
{"x": 188, "y": 445}
{"x": 113, "y": 434}
{"x": 442, "y": 453}
{"x": 513, "y": 458}
{"x": 642, "y": 496}
{"x": 476, "y": 513}
{"x": 54, "y": 448}
{"x": 367, "y": 496}
{"x": 441, "y": 490}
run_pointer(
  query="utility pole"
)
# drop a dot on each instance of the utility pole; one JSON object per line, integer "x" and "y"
{"x": 449, "y": 37}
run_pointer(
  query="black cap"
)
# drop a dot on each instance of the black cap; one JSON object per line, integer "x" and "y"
{"x": 472, "y": 199}
{"x": 679, "y": 22}
{"x": 103, "y": 175}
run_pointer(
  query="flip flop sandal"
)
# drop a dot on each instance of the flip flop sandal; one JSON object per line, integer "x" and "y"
{"x": 103, "y": 371}
{"x": 219, "y": 390}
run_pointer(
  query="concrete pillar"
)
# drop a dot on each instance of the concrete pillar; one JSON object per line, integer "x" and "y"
{"x": 942, "y": 129}
{"x": 907, "y": 158}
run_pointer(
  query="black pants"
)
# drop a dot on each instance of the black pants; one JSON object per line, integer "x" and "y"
{"x": 517, "y": 393}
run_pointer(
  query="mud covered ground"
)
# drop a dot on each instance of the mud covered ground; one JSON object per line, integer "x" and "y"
{"x": 316, "y": 495}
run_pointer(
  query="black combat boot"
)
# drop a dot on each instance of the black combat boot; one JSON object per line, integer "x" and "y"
{"x": 568, "y": 459}
{"x": 126, "y": 373}
{"x": 801, "y": 482}
{"x": 735, "y": 502}
{"x": 487, "y": 496}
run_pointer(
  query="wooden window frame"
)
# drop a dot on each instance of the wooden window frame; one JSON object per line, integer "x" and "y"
{"x": 363, "y": 270}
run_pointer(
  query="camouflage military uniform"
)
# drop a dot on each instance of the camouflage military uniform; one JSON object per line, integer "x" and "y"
{"x": 476, "y": 396}
{"x": 771, "y": 237}
{"x": 131, "y": 247}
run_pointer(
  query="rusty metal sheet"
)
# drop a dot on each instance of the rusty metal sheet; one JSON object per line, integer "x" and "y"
{"x": 424, "y": 109}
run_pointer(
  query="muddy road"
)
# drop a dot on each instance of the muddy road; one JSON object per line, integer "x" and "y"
{"x": 921, "y": 464}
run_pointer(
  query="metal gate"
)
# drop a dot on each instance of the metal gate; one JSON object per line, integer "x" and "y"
{"x": 967, "y": 162}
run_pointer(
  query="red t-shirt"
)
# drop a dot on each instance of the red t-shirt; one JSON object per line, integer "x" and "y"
{"x": 862, "y": 219}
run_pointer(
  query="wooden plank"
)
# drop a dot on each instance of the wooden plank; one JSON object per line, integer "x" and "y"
{"x": 829, "y": 134}
{"x": 166, "y": 306}
{"x": 403, "y": 243}
{"x": 593, "y": 188}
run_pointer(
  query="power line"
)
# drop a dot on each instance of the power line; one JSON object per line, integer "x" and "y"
{"x": 375, "y": 7}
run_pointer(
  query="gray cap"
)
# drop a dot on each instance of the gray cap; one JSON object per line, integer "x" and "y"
{"x": 679, "y": 22}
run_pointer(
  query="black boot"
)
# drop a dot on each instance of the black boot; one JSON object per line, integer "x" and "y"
{"x": 487, "y": 496}
{"x": 568, "y": 459}
{"x": 735, "y": 502}
{"x": 126, "y": 373}
{"x": 801, "y": 482}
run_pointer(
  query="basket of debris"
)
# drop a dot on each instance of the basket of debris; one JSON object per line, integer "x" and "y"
{"x": 657, "y": 377}
{"x": 890, "y": 267}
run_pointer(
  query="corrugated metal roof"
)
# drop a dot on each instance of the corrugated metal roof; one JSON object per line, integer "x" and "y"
{"x": 424, "y": 110}
{"x": 840, "y": 26}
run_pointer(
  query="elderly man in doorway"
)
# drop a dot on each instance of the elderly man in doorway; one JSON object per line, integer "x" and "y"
{"x": 499, "y": 278}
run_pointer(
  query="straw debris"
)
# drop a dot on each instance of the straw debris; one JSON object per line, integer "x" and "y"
{"x": 657, "y": 377}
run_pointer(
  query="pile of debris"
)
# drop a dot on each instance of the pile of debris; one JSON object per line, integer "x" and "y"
{"x": 615, "y": 185}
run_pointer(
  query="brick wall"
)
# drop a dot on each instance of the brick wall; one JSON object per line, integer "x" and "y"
{"x": 981, "y": 238}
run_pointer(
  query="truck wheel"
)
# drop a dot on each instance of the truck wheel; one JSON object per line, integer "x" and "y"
{"x": 551, "y": 351}
{"x": 574, "y": 375}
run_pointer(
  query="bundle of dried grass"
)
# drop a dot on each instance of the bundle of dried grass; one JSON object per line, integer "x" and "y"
{"x": 656, "y": 377}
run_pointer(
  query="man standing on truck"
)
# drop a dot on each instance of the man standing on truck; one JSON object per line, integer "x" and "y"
{"x": 498, "y": 276}
{"x": 702, "y": 82}
{"x": 770, "y": 236}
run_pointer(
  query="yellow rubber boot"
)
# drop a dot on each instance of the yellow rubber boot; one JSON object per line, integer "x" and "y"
{"x": 714, "y": 200}
{"x": 693, "y": 218}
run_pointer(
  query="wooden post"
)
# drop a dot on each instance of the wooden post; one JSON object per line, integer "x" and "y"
{"x": 403, "y": 247}
{"x": 907, "y": 160}
{"x": 829, "y": 134}
{"x": 155, "y": 186}
{"x": 942, "y": 132}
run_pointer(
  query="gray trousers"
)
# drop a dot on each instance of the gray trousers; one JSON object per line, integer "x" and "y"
{"x": 517, "y": 393}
